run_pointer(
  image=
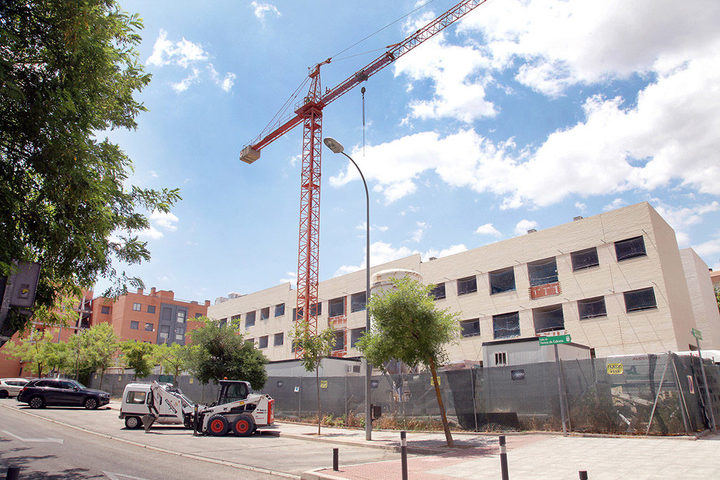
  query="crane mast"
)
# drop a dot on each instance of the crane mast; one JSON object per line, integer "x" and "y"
{"x": 310, "y": 115}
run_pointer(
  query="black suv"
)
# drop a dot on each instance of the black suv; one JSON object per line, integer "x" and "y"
{"x": 55, "y": 391}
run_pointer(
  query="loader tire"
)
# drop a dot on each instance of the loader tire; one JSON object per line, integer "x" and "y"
{"x": 244, "y": 426}
{"x": 218, "y": 426}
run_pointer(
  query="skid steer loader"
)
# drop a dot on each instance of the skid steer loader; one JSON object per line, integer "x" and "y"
{"x": 236, "y": 410}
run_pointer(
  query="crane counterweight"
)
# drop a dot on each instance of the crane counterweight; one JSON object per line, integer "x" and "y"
{"x": 249, "y": 154}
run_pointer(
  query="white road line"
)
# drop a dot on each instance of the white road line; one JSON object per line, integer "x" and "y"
{"x": 37, "y": 440}
{"x": 121, "y": 476}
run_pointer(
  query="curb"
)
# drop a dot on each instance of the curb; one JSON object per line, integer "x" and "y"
{"x": 316, "y": 475}
{"x": 192, "y": 456}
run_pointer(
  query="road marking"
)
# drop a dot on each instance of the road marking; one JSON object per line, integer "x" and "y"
{"x": 121, "y": 476}
{"x": 38, "y": 440}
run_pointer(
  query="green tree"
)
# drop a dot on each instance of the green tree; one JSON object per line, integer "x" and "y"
{"x": 138, "y": 356}
{"x": 220, "y": 352}
{"x": 174, "y": 358}
{"x": 717, "y": 296}
{"x": 32, "y": 350}
{"x": 408, "y": 327}
{"x": 313, "y": 349}
{"x": 68, "y": 73}
{"x": 98, "y": 348}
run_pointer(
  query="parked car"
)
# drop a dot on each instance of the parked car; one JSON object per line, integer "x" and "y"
{"x": 10, "y": 387}
{"x": 61, "y": 392}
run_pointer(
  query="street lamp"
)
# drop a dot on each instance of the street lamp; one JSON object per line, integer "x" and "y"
{"x": 337, "y": 147}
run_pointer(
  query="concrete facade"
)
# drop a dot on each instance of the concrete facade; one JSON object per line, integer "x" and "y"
{"x": 633, "y": 294}
{"x": 702, "y": 298}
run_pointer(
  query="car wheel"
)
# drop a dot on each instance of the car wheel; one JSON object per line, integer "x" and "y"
{"x": 36, "y": 402}
{"x": 244, "y": 426}
{"x": 133, "y": 422}
{"x": 4, "y": 394}
{"x": 218, "y": 426}
{"x": 90, "y": 403}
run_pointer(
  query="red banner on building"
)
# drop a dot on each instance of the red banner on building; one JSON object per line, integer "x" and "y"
{"x": 546, "y": 290}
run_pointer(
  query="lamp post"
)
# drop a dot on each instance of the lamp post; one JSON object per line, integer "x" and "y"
{"x": 337, "y": 147}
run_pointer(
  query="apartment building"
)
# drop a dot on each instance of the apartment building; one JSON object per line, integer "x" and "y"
{"x": 616, "y": 282}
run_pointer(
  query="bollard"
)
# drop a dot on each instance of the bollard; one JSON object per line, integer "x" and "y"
{"x": 195, "y": 420}
{"x": 336, "y": 460}
{"x": 12, "y": 473}
{"x": 503, "y": 459}
{"x": 403, "y": 455}
{"x": 583, "y": 475}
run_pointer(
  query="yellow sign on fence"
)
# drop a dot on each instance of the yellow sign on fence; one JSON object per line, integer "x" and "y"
{"x": 614, "y": 368}
{"x": 323, "y": 383}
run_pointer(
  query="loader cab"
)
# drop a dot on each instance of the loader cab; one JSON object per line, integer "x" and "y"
{"x": 232, "y": 391}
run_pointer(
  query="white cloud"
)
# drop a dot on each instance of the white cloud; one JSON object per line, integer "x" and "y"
{"x": 709, "y": 249}
{"x": 617, "y": 203}
{"x": 680, "y": 219}
{"x": 185, "y": 83}
{"x": 488, "y": 229}
{"x": 582, "y": 208}
{"x": 452, "y": 250}
{"x": 567, "y": 42}
{"x": 228, "y": 82}
{"x": 373, "y": 228}
{"x": 261, "y": 10}
{"x": 182, "y": 53}
{"x": 291, "y": 277}
{"x": 153, "y": 173}
{"x": 160, "y": 222}
{"x": 381, "y": 252}
{"x": 524, "y": 225}
{"x": 417, "y": 235}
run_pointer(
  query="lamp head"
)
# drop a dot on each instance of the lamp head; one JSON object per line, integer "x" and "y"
{"x": 333, "y": 145}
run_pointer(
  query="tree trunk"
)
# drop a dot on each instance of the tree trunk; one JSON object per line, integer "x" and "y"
{"x": 317, "y": 385}
{"x": 446, "y": 427}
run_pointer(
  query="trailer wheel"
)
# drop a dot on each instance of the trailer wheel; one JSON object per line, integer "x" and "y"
{"x": 218, "y": 426}
{"x": 133, "y": 422}
{"x": 244, "y": 426}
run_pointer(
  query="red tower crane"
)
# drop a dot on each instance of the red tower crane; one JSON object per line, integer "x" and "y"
{"x": 310, "y": 115}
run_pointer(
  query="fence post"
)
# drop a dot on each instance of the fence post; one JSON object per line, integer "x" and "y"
{"x": 336, "y": 459}
{"x": 503, "y": 459}
{"x": 472, "y": 389}
{"x": 583, "y": 475}
{"x": 12, "y": 473}
{"x": 403, "y": 455}
{"x": 561, "y": 389}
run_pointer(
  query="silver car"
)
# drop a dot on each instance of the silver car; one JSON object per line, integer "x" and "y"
{"x": 10, "y": 387}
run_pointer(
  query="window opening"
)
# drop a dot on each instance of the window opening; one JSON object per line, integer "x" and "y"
{"x": 591, "y": 308}
{"x": 502, "y": 280}
{"x": 630, "y": 248}
{"x": 584, "y": 259}
{"x": 506, "y": 325}
{"x": 549, "y": 318}
{"x": 642, "y": 299}
{"x": 543, "y": 272}
{"x": 467, "y": 285}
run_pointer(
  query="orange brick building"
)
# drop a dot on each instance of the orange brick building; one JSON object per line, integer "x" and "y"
{"x": 156, "y": 317}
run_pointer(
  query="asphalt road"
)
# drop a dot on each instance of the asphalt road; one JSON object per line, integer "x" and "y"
{"x": 46, "y": 450}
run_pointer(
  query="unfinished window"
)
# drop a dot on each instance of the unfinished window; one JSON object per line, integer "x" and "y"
{"x": 506, "y": 325}
{"x": 470, "y": 328}
{"x": 279, "y": 309}
{"x": 502, "y": 280}
{"x": 542, "y": 272}
{"x": 630, "y": 248}
{"x": 134, "y": 325}
{"x": 500, "y": 359}
{"x": 339, "y": 340}
{"x": 355, "y": 335}
{"x": 549, "y": 318}
{"x": 316, "y": 309}
{"x": 336, "y": 307}
{"x": 137, "y": 307}
{"x": 151, "y": 309}
{"x": 149, "y": 327}
{"x": 105, "y": 310}
{"x": 265, "y": 313}
{"x": 591, "y": 308}
{"x": 279, "y": 339}
{"x": 249, "y": 319}
{"x": 297, "y": 314}
{"x": 357, "y": 302}
{"x": 263, "y": 342}
{"x": 642, "y": 299}
{"x": 467, "y": 285}
{"x": 438, "y": 291}
{"x": 584, "y": 259}
{"x": 223, "y": 321}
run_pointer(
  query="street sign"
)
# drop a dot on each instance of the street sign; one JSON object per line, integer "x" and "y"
{"x": 554, "y": 340}
{"x": 696, "y": 333}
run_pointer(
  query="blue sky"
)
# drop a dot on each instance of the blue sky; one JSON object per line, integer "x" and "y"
{"x": 524, "y": 114}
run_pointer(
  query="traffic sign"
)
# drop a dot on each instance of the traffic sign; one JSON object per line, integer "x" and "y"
{"x": 554, "y": 340}
{"x": 696, "y": 333}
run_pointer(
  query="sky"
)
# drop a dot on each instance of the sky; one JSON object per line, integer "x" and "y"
{"x": 522, "y": 115}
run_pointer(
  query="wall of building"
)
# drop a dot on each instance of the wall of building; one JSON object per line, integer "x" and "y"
{"x": 658, "y": 328}
{"x": 702, "y": 298}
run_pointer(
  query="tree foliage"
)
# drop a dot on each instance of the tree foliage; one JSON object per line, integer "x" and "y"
{"x": 313, "y": 348}
{"x": 717, "y": 296}
{"x": 139, "y": 356}
{"x": 68, "y": 72}
{"x": 408, "y": 327}
{"x": 35, "y": 350}
{"x": 220, "y": 352}
{"x": 174, "y": 358}
{"x": 97, "y": 348}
